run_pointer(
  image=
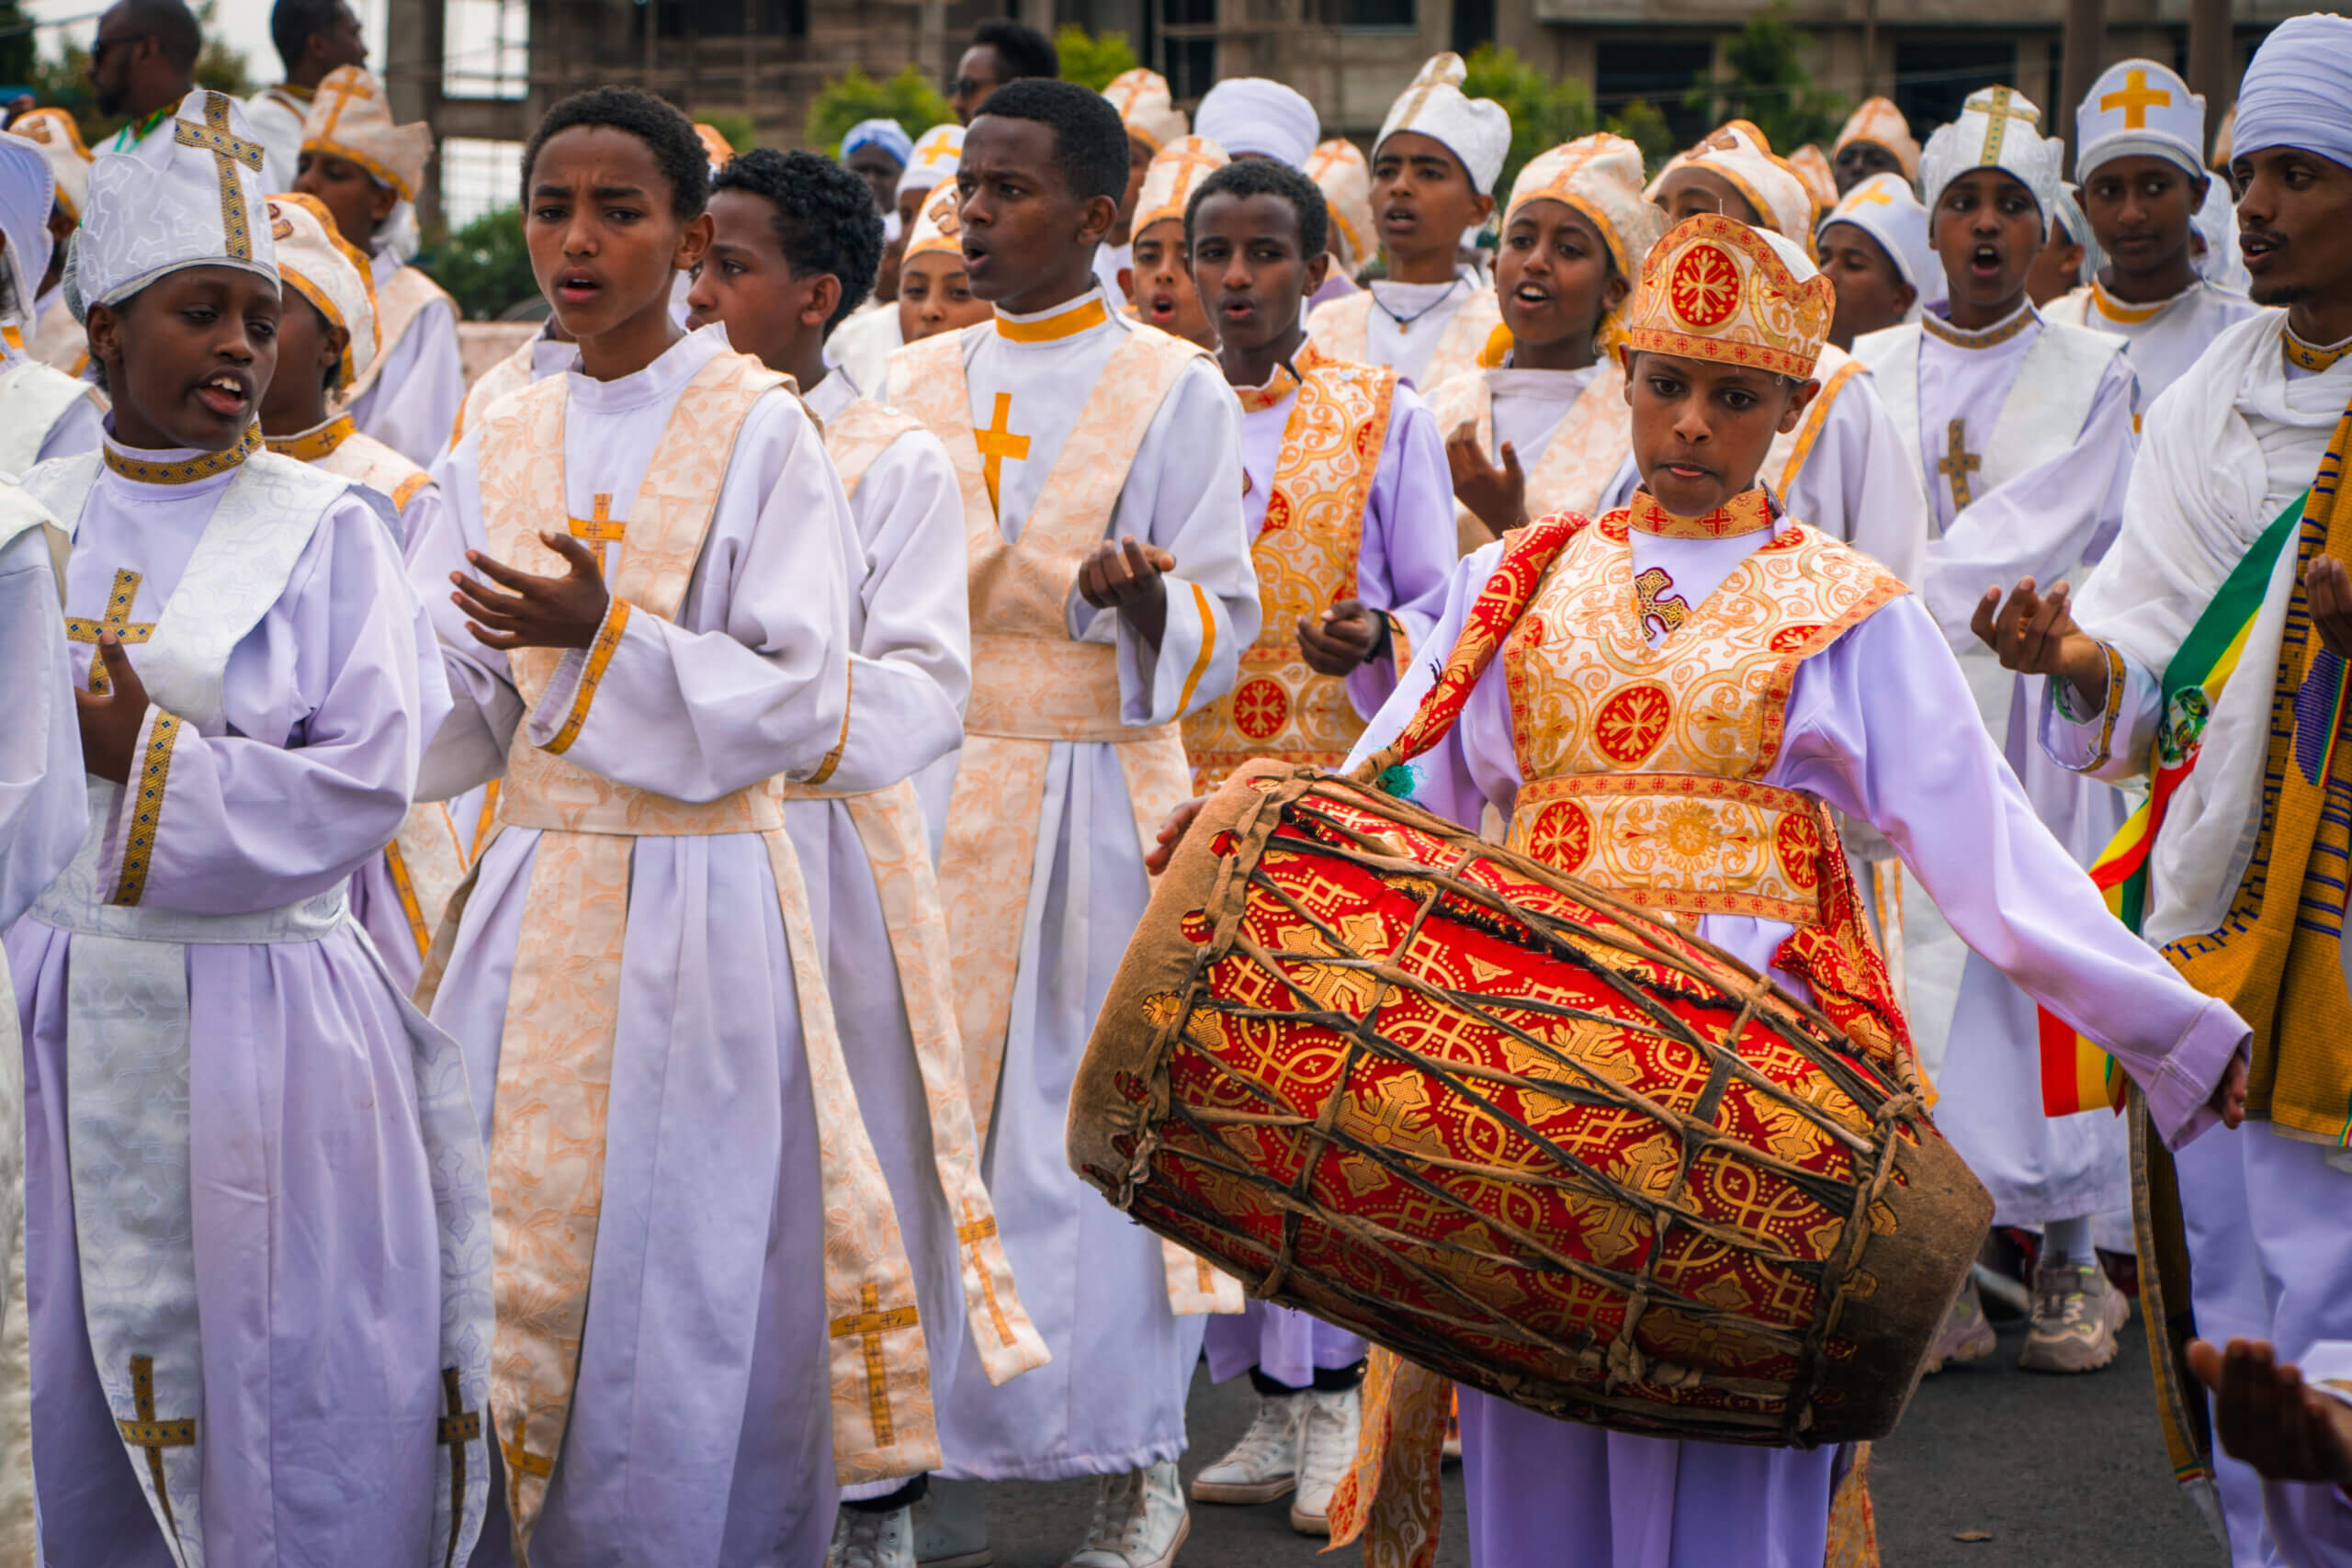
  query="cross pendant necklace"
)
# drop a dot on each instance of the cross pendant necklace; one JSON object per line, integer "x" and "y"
{"x": 1405, "y": 323}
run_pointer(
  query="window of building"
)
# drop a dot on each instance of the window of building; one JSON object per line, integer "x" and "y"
{"x": 1378, "y": 14}
{"x": 1474, "y": 24}
{"x": 1182, "y": 37}
{"x": 1659, "y": 70}
{"x": 1933, "y": 76}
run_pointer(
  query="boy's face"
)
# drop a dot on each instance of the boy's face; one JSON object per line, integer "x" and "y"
{"x": 1694, "y": 188}
{"x": 1553, "y": 275}
{"x": 1138, "y": 165}
{"x": 935, "y": 297}
{"x": 1988, "y": 229}
{"x": 874, "y": 165}
{"x": 1422, "y": 197}
{"x": 310, "y": 350}
{"x": 2140, "y": 211}
{"x": 977, "y": 74}
{"x": 350, "y": 193}
{"x": 1700, "y": 429}
{"x": 745, "y": 281}
{"x": 1023, "y": 228}
{"x": 188, "y": 357}
{"x": 2294, "y": 225}
{"x": 604, "y": 242}
{"x": 1860, "y": 161}
{"x": 1870, "y": 294}
{"x": 1163, "y": 286}
{"x": 1248, "y": 268}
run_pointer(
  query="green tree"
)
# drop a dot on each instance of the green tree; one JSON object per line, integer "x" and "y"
{"x": 1643, "y": 123}
{"x": 737, "y": 129}
{"x": 1091, "y": 61}
{"x": 841, "y": 102}
{"x": 485, "y": 266}
{"x": 1543, "y": 113}
{"x": 1768, "y": 85}
{"x": 19, "y": 54}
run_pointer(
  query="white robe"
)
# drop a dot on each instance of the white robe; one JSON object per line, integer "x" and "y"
{"x": 1879, "y": 725}
{"x": 698, "y": 1430}
{"x": 2228, "y": 448}
{"x": 276, "y": 119}
{"x": 79, "y": 426}
{"x": 1113, "y": 1398}
{"x": 416, "y": 396}
{"x": 1406, "y": 320}
{"x": 2163, "y": 339}
{"x": 862, "y": 345}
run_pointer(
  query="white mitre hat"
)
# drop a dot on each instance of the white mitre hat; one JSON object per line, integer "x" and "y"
{"x": 1339, "y": 170}
{"x": 189, "y": 194}
{"x": 1886, "y": 208}
{"x": 1176, "y": 172}
{"x": 1999, "y": 127}
{"x": 1476, "y": 130}
{"x": 27, "y": 193}
{"x": 318, "y": 263}
{"x": 59, "y": 142}
{"x": 352, "y": 118}
{"x": 1246, "y": 115}
{"x": 937, "y": 153}
{"x": 1146, "y": 107}
{"x": 2139, "y": 108}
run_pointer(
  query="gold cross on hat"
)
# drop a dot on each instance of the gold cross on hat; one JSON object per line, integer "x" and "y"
{"x": 2135, "y": 98}
{"x": 1999, "y": 106}
{"x": 228, "y": 150}
{"x": 353, "y": 85}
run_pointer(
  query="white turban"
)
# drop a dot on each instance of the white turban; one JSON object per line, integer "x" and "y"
{"x": 1251, "y": 114}
{"x": 1998, "y": 127}
{"x": 1476, "y": 130}
{"x": 1886, "y": 209}
{"x": 2298, "y": 91}
{"x": 2139, "y": 109}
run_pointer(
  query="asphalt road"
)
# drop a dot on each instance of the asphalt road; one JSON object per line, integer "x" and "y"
{"x": 2057, "y": 1471}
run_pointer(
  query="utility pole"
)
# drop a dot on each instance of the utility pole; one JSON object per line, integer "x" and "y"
{"x": 2081, "y": 47}
{"x": 2210, "y": 57}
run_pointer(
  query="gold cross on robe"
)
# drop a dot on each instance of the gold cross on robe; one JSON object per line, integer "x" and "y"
{"x": 228, "y": 150}
{"x": 1957, "y": 463}
{"x": 146, "y": 1432}
{"x": 996, "y": 444}
{"x": 600, "y": 526}
{"x": 870, "y": 1326}
{"x": 2135, "y": 98}
{"x": 81, "y": 629}
{"x": 458, "y": 1430}
{"x": 971, "y": 1233}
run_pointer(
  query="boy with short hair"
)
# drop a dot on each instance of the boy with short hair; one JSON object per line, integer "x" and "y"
{"x": 1434, "y": 169}
{"x": 649, "y": 624}
{"x": 366, "y": 171}
{"x": 1347, "y": 503}
{"x": 1110, "y": 595}
{"x": 1851, "y": 701}
{"x": 2020, "y": 433}
{"x": 2142, "y": 182}
{"x": 1875, "y": 251}
{"x": 790, "y": 255}
{"x": 220, "y": 1070}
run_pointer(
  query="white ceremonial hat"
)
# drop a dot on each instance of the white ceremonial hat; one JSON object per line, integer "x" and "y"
{"x": 60, "y": 140}
{"x": 1247, "y": 114}
{"x": 937, "y": 153}
{"x": 27, "y": 192}
{"x": 352, "y": 118}
{"x": 1738, "y": 152}
{"x": 1601, "y": 176}
{"x": 1176, "y": 172}
{"x": 936, "y": 228}
{"x": 1886, "y": 208}
{"x": 1340, "y": 171}
{"x": 1880, "y": 124}
{"x": 189, "y": 194}
{"x": 1476, "y": 130}
{"x": 2139, "y": 108}
{"x": 1145, "y": 107}
{"x": 1999, "y": 127}
{"x": 318, "y": 263}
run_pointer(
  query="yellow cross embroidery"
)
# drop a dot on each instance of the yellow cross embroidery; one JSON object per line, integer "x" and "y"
{"x": 352, "y": 87}
{"x": 1654, "y": 600}
{"x": 458, "y": 1430}
{"x": 940, "y": 152}
{"x": 1957, "y": 463}
{"x": 971, "y": 1233}
{"x": 146, "y": 1432}
{"x": 228, "y": 150}
{"x": 2136, "y": 98}
{"x": 1876, "y": 196}
{"x": 997, "y": 442}
{"x": 1999, "y": 106}
{"x": 80, "y": 628}
{"x": 1423, "y": 85}
{"x": 1188, "y": 163}
{"x": 599, "y": 527}
{"x": 871, "y": 1324}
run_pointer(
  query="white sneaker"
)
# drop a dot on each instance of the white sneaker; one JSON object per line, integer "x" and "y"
{"x": 950, "y": 1531}
{"x": 863, "y": 1539}
{"x": 1139, "y": 1521}
{"x": 1264, "y": 1464}
{"x": 1327, "y": 1449}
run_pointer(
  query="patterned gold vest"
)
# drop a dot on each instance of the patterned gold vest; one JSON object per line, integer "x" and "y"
{"x": 1305, "y": 560}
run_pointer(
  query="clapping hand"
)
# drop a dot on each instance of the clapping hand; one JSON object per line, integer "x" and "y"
{"x": 1343, "y": 639}
{"x": 538, "y": 612}
{"x": 1497, "y": 496}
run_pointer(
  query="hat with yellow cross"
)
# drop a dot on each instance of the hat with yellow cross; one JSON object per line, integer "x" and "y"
{"x": 352, "y": 118}
{"x": 187, "y": 195}
{"x": 1998, "y": 127}
{"x": 2139, "y": 108}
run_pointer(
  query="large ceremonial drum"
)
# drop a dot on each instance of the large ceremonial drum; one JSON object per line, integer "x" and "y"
{"x": 1516, "y": 1130}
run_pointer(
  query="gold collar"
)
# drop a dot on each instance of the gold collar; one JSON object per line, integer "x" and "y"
{"x": 1749, "y": 511}
{"x": 2117, "y": 310}
{"x": 315, "y": 443}
{"x": 1998, "y": 333}
{"x": 1067, "y": 322}
{"x": 1282, "y": 383}
{"x": 2312, "y": 358}
{"x": 183, "y": 470}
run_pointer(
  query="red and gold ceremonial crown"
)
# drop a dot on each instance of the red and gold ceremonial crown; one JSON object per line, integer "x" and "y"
{"x": 1714, "y": 289}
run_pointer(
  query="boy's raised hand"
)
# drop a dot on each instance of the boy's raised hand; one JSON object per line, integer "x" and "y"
{"x": 539, "y": 612}
{"x": 1497, "y": 496}
{"x": 1171, "y": 834}
{"x": 1125, "y": 576}
{"x": 2264, "y": 1415}
{"x": 1345, "y": 637}
{"x": 2035, "y": 634}
{"x": 110, "y": 719}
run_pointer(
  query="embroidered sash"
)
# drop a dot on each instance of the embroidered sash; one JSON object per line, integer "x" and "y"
{"x": 1785, "y": 459}
{"x": 1341, "y": 329}
{"x": 548, "y": 1134}
{"x": 1577, "y": 464}
{"x": 511, "y": 374}
{"x": 861, "y": 433}
{"x": 131, "y": 1052}
{"x": 1032, "y": 685}
{"x": 1306, "y": 556}
{"x": 398, "y": 300}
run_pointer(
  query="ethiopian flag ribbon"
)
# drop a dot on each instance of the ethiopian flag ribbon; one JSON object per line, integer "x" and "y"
{"x": 2076, "y": 1074}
